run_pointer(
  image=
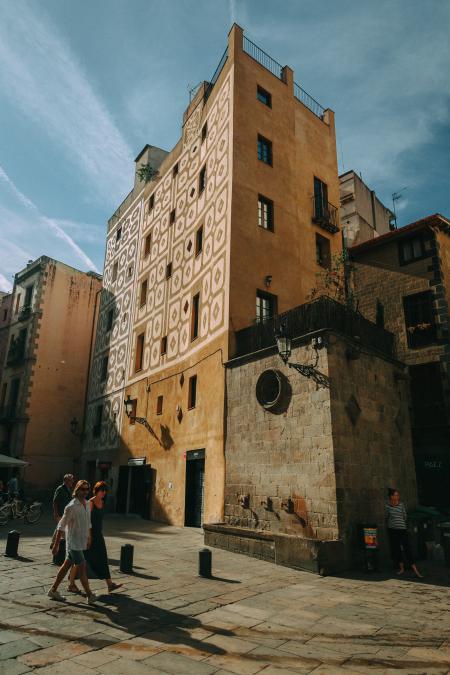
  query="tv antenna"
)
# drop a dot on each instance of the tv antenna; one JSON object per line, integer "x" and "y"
{"x": 395, "y": 197}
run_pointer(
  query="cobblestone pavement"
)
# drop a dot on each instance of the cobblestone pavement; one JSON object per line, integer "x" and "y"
{"x": 252, "y": 617}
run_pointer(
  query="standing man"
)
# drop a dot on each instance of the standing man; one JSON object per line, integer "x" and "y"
{"x": 76, "y": 522}
{"x": 62, "y": 496}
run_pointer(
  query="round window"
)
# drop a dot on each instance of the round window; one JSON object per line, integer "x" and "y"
{"x": 269, "y": 388}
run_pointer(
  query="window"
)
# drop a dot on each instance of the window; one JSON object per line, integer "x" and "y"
{"x": 114, "y": 271}
{"x": 204, "y": 131}
{"x": 264, "y": 96}
{"x": 266, "y": 306}
{"x": 192, "y": 392}
{"x": 5, "y": 314}
{"x": 379, "y": 316}
{"x": 143, "y": 297}
{"x": 164, "y": 345}
{"x": 175, "y": 170}
{"x": 195, "y": 316}
{"x": 265, "y": 213}
{"x": 139, "y": 352}
{"x": 419, "y": 319}
{"x": 427, "y": 394}
{"x": 118, "y": 234}
{"x": 151, "y": 202}
{"x": 199, "y": 240}
{"x": 411, "y": 249}
{"x": 202, "y": 180}
{"x": 320, "y": 198}
{"x": 17, "y": 303}
{"x": 132, "y": 417}
{"x": 97, "y": 428}
{"x": 168, "y": 270}
{"x": 109, "y": 320}
{"x": 147, "y": 245}
{"x": 3, "y": 395}
{"x": 159, "y": 405}
{"x": 14, "y": 395}
{"x": 323, "y": 251}
{"x": 264, "y": 150}
{"x": 28, "y": 296}
{"x": 172, "y": 216}
{"x": 104, "y": 369}
{"x": 130, "y": 271}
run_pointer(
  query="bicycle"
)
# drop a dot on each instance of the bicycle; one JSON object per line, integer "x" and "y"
{"x": 19, "y": 508}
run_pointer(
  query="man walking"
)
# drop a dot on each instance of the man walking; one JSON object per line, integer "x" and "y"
{"x": 62, "y": 496}
{"x": 76, "y": 522}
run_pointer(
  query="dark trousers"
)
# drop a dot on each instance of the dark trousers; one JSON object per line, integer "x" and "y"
{"x": 400, "y": 548}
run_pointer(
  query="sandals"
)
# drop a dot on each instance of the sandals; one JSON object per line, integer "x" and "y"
{"x": 114, "y": 587}
{"x": 74, "y": 589}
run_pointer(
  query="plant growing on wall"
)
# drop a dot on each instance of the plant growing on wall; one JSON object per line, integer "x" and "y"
{"x": 332, "y": 281}
{"x": 147, "y": 173}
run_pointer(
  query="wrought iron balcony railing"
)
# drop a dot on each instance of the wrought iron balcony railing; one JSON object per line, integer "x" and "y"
{"x": 321, "y": 314}
{"x": 325, "y": 215}
{"x": 7, "y": 413}
{"x": 24, "y": 313}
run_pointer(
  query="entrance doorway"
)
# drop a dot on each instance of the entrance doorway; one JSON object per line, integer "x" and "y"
{"x": 195, "y": 486}
{"x": 134, "y": 490}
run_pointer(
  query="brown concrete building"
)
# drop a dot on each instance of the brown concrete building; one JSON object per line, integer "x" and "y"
{"x": 402, "y": 281}
{"x": 233, "y": 228}
{"x": 363, "y": 216}
{"x": 43, "y": 386}
{"x": 310, "y": 459}
{"x": 5, "y": 318}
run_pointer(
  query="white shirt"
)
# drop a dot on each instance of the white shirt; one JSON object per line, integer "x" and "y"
{"x": 76, "y": 522}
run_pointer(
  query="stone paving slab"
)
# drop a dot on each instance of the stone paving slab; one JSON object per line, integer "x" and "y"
{"x": 252, "y": 617}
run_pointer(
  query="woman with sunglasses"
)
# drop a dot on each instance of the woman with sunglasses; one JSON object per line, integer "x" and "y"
{"x": 96, "y": 555}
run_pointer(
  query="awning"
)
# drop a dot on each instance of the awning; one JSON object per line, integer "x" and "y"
{"x": 6, "y": 460}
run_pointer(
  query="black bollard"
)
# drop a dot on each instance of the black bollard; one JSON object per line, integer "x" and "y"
{"x": 204, "y": 563}
{"x": 126, "y": 558}
{"x": 12, "y": 544}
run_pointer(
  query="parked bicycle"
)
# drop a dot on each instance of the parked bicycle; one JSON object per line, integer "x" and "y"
{"x": 30, "y": 511}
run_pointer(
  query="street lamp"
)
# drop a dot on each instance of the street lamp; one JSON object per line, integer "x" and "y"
{"x": 284, "y": 343}
{"x": 129, "y": 405}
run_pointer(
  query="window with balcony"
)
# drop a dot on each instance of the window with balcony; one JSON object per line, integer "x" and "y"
{"x": 104, "y": 369}
{"x": 199, "y": 240}
{"x": 147, "y": 245}
{"x": 97, "y": 428}
{"x": 265, "y": 213}
{"x": 139, "y": 352}
{"x": 264, "y": 150}
{"x": 13, "y": 400}
{"x": 28, "y": 296}
{"x": 324, "y": 213}
{"x": 17, "y": 303}
{"x": 143, "y": 294}
{"x": 159, "y": 405}
{"x": 192, "y": 392}
{"x": 419, "y": 319}
{"x": 266, "y": 306}
{"x": 323, "y": 251}
{"x": 202, "y": 180}
{"x": 411, "y": 249}
{"x": 195, "y": 316}
{"x": 264, "y": 96}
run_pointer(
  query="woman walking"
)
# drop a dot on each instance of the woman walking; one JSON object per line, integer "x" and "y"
{"x": 398, "y": 534}
{"x": 96, "y": 556}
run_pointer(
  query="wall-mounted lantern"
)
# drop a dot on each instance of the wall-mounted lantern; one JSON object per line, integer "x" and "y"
{"x": 284, "y": 346}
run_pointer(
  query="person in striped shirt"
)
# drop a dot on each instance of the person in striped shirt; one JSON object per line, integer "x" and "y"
{"x": 396, "y": 519}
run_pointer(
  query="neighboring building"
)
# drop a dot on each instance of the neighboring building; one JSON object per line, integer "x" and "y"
{"x": 402, "y": 281}
{"x": 307, "y": 462}
{"x": 233, "y": 229}
{"x": 5, "y": 318}
{"x": 363, "y": 216}
{"x": 43, "y": 386}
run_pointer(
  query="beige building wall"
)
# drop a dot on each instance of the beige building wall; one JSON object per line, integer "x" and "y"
{"x": 363, "y": 216}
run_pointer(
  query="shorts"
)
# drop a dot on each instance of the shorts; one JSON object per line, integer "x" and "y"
{"x": 75, "y": 557}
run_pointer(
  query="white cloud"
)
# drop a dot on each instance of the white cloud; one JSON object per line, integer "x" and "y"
{"x": 42, "y": 77}
{"x": 39, "y": 220}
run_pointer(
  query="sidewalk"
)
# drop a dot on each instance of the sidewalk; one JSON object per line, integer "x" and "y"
{"x": 252, "y": 617}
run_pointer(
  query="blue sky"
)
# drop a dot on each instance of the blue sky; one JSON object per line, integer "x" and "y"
{"x": 85, "y": 85}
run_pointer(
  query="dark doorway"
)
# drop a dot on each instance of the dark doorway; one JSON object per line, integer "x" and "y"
{"x": 195, "y": 483}
{"x": 134, "y": 490}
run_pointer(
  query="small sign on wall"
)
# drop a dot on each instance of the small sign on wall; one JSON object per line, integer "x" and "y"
{"x": 137, "y": 461}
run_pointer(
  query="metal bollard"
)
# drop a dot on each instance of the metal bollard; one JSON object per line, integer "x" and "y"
{"x": 204, "y": 563}
{"x": 126, "y": 558}
{"x": 12, "y": 544}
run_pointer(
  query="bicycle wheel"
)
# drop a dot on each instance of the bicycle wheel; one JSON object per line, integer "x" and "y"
{"x": 33, "y": 514}
{"x": 4, "y": 516}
